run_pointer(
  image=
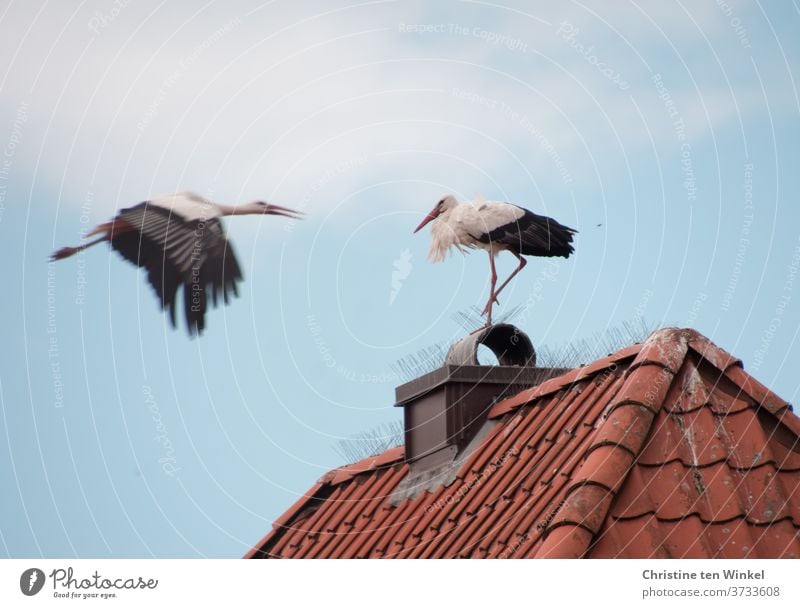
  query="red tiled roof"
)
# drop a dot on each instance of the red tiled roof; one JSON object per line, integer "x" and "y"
{"x": 665, "y": 449}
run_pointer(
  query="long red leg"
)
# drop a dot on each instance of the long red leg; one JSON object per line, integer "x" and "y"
{"x": 522, "y": 263}
{"x": 66, "y": 252}
{"x": 108, "y": 230}
{"x": 492, "y": 294}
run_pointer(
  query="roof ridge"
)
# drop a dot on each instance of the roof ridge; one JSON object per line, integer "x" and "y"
{"x": 618, "y": 441}
{"x": 716, "y": 356}
{"x": 616, "y": 444}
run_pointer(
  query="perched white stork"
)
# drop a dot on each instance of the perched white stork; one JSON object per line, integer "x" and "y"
{"x": 495, "y": 227}
{"x": 180, "y": 241}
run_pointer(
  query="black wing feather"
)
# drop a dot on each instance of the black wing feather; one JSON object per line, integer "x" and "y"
{"x": 177, "y": 253}
{"x": 535, "y": 235}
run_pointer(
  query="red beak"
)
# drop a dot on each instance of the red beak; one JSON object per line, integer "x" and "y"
{"x": 284, "y": 211}
{"x": 428, "y": 218}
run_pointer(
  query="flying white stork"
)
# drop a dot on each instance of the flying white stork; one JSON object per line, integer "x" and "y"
{"x": 179, "y": 239}
{"x": 495, "y": 227}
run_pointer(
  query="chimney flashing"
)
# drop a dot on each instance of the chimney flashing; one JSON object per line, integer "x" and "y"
{"x": 437, "y": 469}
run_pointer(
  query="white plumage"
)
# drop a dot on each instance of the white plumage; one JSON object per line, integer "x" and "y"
{"x": 462, "y": 225}
{"x": 188, "y": 205}
{"x": 494, "y": 226}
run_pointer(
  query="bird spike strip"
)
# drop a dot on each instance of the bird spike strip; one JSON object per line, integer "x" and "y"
{"x": 419, "y": 363}
{"x": 596, "y": 346}
{"x": 571, "y": 355}
{"x": 471, "y": 318}
{"x": 371, "y": 442}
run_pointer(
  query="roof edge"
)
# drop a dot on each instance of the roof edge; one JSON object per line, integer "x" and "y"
{"x": 279, "y": 524}
{"x": 339, "y": 475}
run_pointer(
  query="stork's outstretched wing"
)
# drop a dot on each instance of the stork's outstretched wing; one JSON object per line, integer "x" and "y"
{"x": 193, "y": 254}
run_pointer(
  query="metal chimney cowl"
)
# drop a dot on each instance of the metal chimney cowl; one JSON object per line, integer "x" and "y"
{"x": 445, "y": 409}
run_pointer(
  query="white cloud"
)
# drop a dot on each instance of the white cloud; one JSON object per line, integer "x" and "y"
{"x": 243, "y": 105}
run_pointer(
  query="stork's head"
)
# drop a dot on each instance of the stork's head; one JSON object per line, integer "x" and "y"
{"x": 443, "y": 206}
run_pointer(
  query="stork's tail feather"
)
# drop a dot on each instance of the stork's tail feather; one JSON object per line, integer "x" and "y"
{"x": 561, "y": 242}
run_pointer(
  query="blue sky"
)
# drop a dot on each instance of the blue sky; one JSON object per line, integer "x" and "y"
{"x": 667, "y": 135}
